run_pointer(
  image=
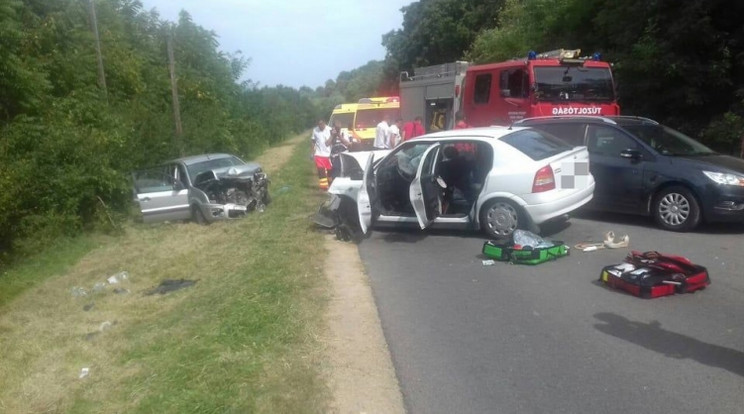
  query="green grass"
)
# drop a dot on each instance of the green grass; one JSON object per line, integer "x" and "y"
{"x": 243, "y": 339}
{"x": 55, "y": 260}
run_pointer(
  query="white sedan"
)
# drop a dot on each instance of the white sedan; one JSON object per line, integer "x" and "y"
{"x": 495, "y": 179}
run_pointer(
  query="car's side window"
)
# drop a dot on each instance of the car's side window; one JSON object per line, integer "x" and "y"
{"x": 154, "y": 180}
{"x": 407, "y": 158}
{"x": 182, "y": 177}
{"x": 609, "y": 141}
{"x": 572, "y": 133}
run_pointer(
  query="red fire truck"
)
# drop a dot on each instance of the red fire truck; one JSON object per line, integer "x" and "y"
{"x": 547, "y": 84}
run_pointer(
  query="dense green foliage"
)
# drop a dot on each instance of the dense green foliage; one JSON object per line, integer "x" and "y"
{"x": 681, "y": 63}
{"x": 439, "y": 31}
{"x": 349, "y": 86}
{"x": 66, "y": 147}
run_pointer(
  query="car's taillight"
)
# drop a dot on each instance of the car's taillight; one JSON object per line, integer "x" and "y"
{"x": 544, "y": 180}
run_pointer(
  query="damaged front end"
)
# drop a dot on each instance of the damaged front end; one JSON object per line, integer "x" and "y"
{"x": 339, "y": 213}
{"x": 233, "y": 192}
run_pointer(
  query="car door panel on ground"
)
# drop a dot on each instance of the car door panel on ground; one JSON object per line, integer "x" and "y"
{"x": 160, "y": 195}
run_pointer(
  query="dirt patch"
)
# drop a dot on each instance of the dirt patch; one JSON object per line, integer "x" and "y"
{"x": 275, "y": 157}
{"x": 361, "y": 371}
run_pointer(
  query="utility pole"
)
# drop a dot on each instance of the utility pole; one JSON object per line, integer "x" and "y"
{"x": 174, "y": 91}
{"x": 94, "y": 27}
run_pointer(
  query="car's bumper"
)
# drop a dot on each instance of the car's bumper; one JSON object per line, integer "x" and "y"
{"x": 723, "y": 203}
{"x": 218, "y": 212}
{"x": 552, "y": 207}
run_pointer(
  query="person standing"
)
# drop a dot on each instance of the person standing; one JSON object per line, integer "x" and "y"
{"x": 460, "y": 122}
{"x": 321, "y": 140}
{"x": 340, "y": 141}
{"x": 382, "y": 134}
{"x": 413, "y": 129}
{"x": 395, "y": 133}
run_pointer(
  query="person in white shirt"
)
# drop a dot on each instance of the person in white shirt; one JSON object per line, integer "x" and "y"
{"x": 321, "y": 141}
{"x": 395, "y": 131}
{"x": 382, "y": 134}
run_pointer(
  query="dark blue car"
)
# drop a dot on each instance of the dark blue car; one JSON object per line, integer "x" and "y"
{"x": 643, "y": 167}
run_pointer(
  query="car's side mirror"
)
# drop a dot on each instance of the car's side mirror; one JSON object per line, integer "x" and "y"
{"x": 632, "y": 154}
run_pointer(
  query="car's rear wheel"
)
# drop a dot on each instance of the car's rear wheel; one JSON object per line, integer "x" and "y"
{"x": 500, "y": 218}
{"x": 198, "y": 216}
{"x": 676, "y": 209}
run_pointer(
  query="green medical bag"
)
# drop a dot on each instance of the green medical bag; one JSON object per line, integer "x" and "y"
{"x": 505, "y": 252}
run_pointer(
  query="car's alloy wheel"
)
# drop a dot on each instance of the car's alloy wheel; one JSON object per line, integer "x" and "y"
{"x": 500, "y": 219}
{"x": 676, "y": 209}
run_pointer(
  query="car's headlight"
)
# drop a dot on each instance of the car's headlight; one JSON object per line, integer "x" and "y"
{"x": 724, "y": 178}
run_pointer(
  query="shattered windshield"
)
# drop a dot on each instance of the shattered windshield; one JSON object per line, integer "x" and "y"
{"x": 199, "y": 167}
{"x": 574, "y": 83}
{"x": 668, "y": 141}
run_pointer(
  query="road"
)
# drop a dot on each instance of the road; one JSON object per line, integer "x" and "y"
{"x": 468, "y": 338}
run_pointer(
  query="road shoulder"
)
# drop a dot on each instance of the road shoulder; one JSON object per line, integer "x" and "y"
{"x": 360, "y": 369}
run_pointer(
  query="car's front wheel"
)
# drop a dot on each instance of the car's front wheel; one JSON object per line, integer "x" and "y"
{"x": 198, "y": 216}
{"x": 676, "y": 209}
{"x": 500, "y": 218}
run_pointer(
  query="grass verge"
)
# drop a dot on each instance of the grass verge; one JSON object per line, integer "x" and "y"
{"x": 243, "y": 339}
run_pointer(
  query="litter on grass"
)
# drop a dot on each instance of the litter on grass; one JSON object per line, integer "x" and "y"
{"x": 170, "y": 285}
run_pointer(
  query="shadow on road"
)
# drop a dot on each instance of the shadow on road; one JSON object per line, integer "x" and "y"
{"x": 412, "y": 234}
{"x": 653, "y": 337}
{"x": 642, "y": 221}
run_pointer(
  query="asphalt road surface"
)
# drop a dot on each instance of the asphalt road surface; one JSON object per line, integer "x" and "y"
{"x": 468, "y": 338}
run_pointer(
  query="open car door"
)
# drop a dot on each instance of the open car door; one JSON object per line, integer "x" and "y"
{"x": 161, "y": 197}
{"x": 425, "y": 190}
{"x": 367, "y": 198}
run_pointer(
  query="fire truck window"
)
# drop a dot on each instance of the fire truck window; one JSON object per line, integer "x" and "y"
{"x": 482, "y": 92}
{"x": 514, "y": 83}
{"x": 609, "y": 141}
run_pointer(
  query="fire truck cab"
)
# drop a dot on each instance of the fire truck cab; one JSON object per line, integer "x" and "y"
{"x": 547, "y": 84}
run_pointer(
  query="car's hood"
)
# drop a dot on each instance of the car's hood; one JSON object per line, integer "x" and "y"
{"x": 361, "y": 157}
{"x": 717, "y": 162}
{"x": 238, "y": 171}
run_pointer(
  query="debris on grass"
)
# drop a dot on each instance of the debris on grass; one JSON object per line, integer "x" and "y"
{"x": 170, "y": 285}
{"x": 78, "y": 292}
{"x": 99, "y": 287}
{"x": 84, "y": 372}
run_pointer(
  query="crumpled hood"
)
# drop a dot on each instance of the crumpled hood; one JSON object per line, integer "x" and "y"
{"x": 238, "y": 171}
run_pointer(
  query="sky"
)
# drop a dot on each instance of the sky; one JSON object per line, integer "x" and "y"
{"x": 294, "y": 42}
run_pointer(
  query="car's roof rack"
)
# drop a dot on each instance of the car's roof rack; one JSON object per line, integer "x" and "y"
{"x": 638, "y": 118}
